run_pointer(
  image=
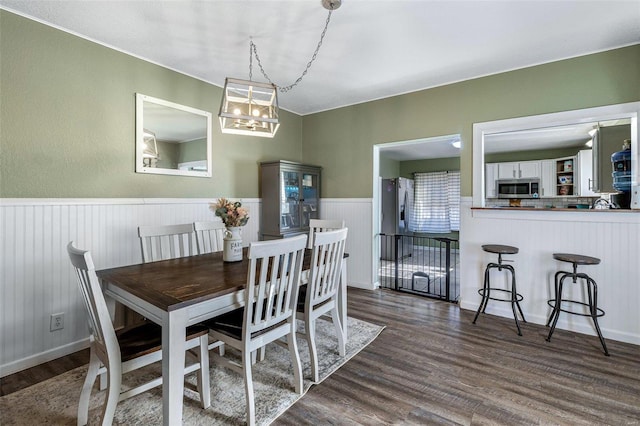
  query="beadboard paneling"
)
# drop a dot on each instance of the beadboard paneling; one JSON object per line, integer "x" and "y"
{"x": 356, "y": 212}
{"x": 36, "y": 278}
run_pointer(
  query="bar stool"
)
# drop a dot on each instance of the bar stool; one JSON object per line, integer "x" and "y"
{"x": 485, "y": 291}
{"x": 592, "y": 293}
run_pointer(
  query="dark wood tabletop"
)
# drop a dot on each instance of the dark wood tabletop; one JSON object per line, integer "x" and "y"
{"x": 175, "y": 283}
{"x": 171, "y": 284}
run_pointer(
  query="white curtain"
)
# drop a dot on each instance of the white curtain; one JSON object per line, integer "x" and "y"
{"x": 436, "y": 202}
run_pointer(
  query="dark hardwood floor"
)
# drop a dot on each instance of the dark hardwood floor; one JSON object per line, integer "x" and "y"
{"x": 42, "y": 372}
{"x": 432, "y": 366}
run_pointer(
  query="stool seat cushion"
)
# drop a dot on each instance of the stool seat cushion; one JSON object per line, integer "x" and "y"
{"x": 578, "y": 259}
{"x": 500, "y": 249}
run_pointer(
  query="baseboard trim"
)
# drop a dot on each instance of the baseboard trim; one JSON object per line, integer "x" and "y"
{"x": 584, "y": 327}
{"x": 40, "y": 358}
{"x": 364, "y": 286}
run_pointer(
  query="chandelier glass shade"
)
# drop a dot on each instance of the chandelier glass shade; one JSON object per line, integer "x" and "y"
{"x": 249, "y": 108}
{"x": 150, "y": 154}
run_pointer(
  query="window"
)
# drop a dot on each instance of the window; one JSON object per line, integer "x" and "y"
{"x": 436, "y": 202}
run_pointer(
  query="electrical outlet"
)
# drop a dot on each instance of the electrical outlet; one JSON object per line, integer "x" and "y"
{"x": 57, "y": 322}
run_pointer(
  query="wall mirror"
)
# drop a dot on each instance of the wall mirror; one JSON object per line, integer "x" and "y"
{"x": 596, "y": 131}
{"x": 172, "y": 139}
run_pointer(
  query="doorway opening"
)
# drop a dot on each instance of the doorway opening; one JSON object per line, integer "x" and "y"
{"x": 416, "y": 245}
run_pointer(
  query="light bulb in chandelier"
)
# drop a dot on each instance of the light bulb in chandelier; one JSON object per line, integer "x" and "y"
{"x": 238, "y": 93}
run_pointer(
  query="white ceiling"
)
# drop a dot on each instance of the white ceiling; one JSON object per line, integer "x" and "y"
{"x": 421, "y": 149}
{"x": 570, "y": 136}
{"x": 372, "y": 49}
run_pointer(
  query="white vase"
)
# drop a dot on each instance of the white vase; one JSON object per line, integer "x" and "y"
{"x": 232, "y": 248}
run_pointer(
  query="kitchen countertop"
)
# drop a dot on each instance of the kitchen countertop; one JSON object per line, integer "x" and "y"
{"x": 561, "y": 209}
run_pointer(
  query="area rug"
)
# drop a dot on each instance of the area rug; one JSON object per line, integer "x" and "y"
{"x": 55, "y": 401}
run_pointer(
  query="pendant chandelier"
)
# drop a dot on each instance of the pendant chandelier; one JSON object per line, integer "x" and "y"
{"x": 251, "y": 108}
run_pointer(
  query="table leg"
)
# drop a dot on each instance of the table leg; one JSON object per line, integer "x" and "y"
{"x": 173, "y": 357}
{"x": 111, "y": 307}
{"x": 342, "y": 299}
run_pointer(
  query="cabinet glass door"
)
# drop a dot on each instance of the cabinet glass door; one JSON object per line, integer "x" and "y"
{"x": 310, "y": 196}
{"x": 289, "y": 200}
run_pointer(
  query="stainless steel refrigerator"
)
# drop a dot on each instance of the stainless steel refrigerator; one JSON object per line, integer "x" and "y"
{"x": 397, "y": 210}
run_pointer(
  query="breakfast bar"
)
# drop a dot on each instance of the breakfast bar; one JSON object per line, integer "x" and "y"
{"x": 610, "y": 235}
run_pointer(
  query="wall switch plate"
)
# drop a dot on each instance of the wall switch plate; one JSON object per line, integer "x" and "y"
{"x": 57, "y": 322}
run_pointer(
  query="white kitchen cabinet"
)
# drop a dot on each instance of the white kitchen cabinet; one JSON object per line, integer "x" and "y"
{"x": 584, "y": 186}
{"x": 490, "y": 176}
{"x": 548, "y": 178}
{"x": 519, "y": 170}
{"x": 508, "y": 170}
{"x": 529, "y": 169}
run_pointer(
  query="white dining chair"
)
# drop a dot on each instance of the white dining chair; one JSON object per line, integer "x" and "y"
{"x": 315, "y": 225}
{"x": 321, "y": 225}
{"x": 166, "y": 242}
{"x": 268, "y": 314}
{"x": 209, "y": 236}
{"x": 115, "y": 352}
{"x": 319, "y": 296}
{"x": 210, "y": 239}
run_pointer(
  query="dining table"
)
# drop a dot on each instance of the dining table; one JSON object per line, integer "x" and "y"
{"x": 181, "y": 292}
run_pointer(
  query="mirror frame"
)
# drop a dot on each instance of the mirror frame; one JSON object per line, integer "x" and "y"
{"x": 140, "y": 167}
{"x": 629, "y": 110}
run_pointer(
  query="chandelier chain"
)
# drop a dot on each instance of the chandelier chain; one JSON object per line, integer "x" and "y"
{"x": 253, "y": 50}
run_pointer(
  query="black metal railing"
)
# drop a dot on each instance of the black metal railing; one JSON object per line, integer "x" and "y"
{"x": 422, "y": 265}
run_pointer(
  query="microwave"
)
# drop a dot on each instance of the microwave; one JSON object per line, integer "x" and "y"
{"x": 518, "y": 188}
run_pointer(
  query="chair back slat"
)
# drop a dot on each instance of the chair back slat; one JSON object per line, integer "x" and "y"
{"x": 166, "y": 242}
{"x": 209, "y": 236}
{"x": 324, "y": 277}
{"x": 101, "y": 328}
{"x": 322, "y": 225}
{"x": 281, "y": 297}
{"x": 272, "y": 282}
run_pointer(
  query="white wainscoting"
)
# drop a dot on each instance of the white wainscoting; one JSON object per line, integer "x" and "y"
{"x": 356, "y": 212}
{"x": 36, "y": 278}
{"x": 613, "y": 237}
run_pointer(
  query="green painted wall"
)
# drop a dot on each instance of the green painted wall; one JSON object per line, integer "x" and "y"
{"x": 408, "y": 168}
{"x": 341, "y": 140}
{"x": 389, "y": 168}
{"x": 169, "y": 154}
{"x": 67, "y": 122}
{"x": 193, "y": 151}
{"x": 67, "y": 119}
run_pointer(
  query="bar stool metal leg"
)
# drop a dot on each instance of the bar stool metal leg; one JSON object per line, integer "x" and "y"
{"x": 514, "y": 299}
{"x": 592, "y": 298}
{"x": 591, "y": 289}
{"x": 486, "y": 291}
{"x": 485, "y": 294}
{"x": 593, "y": 305}
{"x": 556, "y": 310}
